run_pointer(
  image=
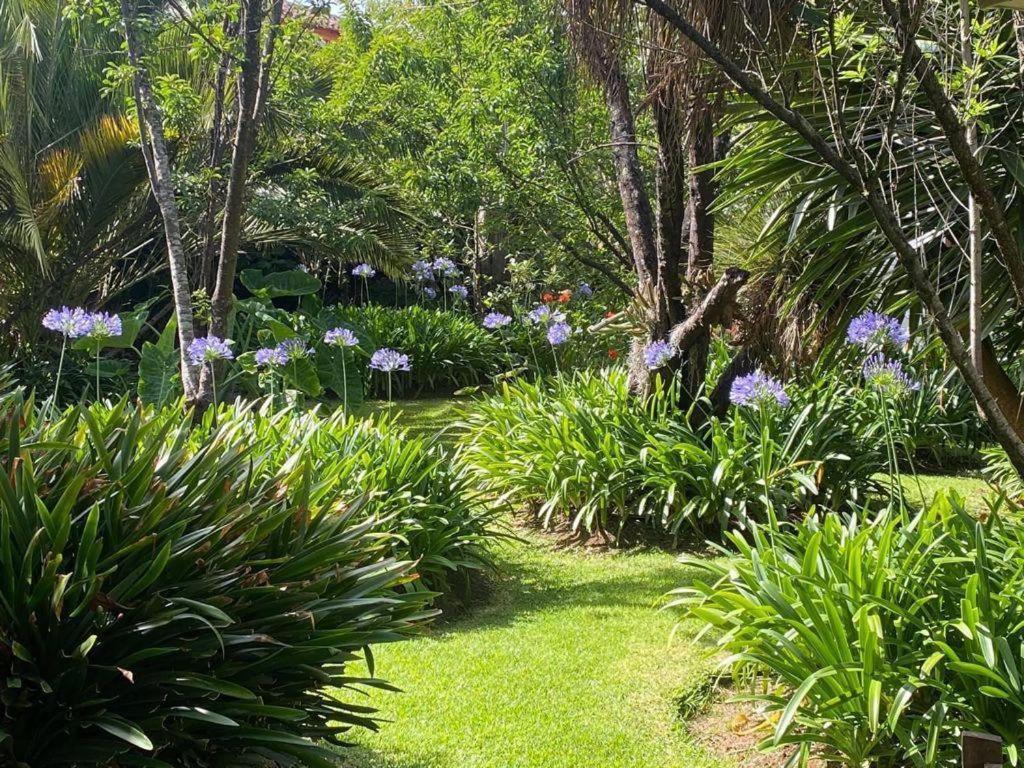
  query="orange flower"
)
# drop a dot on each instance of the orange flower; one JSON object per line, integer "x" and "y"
{"x": 564, "y": 296}
{"x": 613, "y": 354}
{"x": 547, "y": 297}
{"x": 609, "y": 313}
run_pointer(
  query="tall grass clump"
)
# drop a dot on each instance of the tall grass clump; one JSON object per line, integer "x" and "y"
{"x": 582, "y": 449}
{"x": 873, "y": 639}
{"x": 167, "y": 602}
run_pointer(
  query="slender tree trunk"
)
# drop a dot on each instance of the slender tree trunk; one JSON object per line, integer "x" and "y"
{"x": 244, "y": 139}
{"x": 701, "y": 240}
{"x": 204, "y": 273}
{"x": 158, "y": 167}
{"x": 974, "y": 236}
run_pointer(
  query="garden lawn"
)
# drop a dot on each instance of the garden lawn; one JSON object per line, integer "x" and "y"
{"x": 568, "y": 664}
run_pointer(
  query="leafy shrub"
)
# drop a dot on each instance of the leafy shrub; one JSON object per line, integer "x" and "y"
{"x": 169, "y": 603}
{"x": 582, "y": 446}
{"x": 879, "y": 637}
{"x": 413, "y": 488}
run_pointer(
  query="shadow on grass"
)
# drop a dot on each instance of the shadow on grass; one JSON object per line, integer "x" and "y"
{"x": 356, "y": 756}
{"x": 524, "y": 587}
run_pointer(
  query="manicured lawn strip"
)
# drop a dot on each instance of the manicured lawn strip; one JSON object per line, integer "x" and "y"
{"x": 569, "y": 664}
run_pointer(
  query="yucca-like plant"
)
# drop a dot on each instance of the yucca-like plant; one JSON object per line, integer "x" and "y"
{"x": 412, "y": 488}
{"x": 171, "y": 603}
{"x": 874, "y": 638}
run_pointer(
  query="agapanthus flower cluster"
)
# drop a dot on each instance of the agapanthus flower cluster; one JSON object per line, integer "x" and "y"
{"x": 295, "y": 348}
{"x": 388, "y": 360}
{"x": 585, "y": 290}
{"x": 873, "y": 329}
{"x": 888, "y": 376}
{"x": 559, "y": 333}
{"x": 543, "y": 314}
{"x": 430, "y": 292}
{"x": 657, "y": 354}
{"x": 364, "y": 271}
{"x": 104, "y": 325}
{"x": 271, "y": 357}
{"x": 459, "y": 291}
{"x": 757, "y": 389}
{"x": 495, "y": 320}
{"x": 72, "y": 322}
{"x": 423, "y": 271}
{"x": 446, "y": 267}
{"x": 209, "y": 349}
{"x": 341, "y": 337}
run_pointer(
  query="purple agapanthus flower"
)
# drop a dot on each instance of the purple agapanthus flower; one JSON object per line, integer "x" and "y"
{"x": 341, "y": 337}
{"x": 585, "y": 290}
{"x": 459, "y": 291}
{"x": 445, "y": 266}
{"x": 365, "y": 271}
{"x": 430, "y": 292}
{"x": 873, "y": 329}
{"x": 559, "y": 333}
{"x": 658, "y": 353}
{"x": 295, "y": 348}
{"x": 422, "y": 271}
{"x": 758, "y": 388}
{"x": 888, "y": 376}
{"x": 206, "y": 350}
{"x": 495, "y": 320}
{"x": 270, "y": 357}
{"x": 103, "y": 325}
{"x": 388, "y": 360}
{"x": 542, "y": 313}
{"x": 72, "y": 322}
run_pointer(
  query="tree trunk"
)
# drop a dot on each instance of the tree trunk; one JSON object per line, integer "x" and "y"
{"x": 244, "y": 139}
{"x": 158, "y": 167}
{"x": 204, "y": 274}
{"x": 701, "y": 236}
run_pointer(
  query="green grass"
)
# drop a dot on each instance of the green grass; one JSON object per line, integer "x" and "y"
{"x": 426, "y": 416}
{"x": 568, "y": 664}
{"x": 923, "y": 488}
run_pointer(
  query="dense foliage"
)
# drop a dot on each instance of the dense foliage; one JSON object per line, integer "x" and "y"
{"x": 582, "y": 448}
{"x": 416, "y": 491}
{"x": 874, "y": 639}
{"x": 168, "y": 602}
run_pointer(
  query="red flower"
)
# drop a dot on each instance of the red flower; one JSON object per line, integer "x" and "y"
{"x": 547, "y": 297}
{"x": 613, "y": 354}
{"x": 564, "y": 296}
{"x": 609, "y": 313}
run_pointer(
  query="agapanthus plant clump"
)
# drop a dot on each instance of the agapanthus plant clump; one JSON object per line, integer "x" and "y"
{"x": 758, "y": 389}
{"x": 102, "y": 326}
{"x": 559, "y": 333}
{"x": 888, "y": 376}
{"x": 657, "y": 354}
{"x": 874, "y": 330}
{"x": 209, "y": 350}
{"x": 162, "y": 608}
{"x": 388, "y": 361}
{"x": 70, "y": 323}
{"x": 344, "y": 339}
{"x": 542, "y": 314}
{"x": 494, "y": 320}
{"x": 364, "y": 271}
